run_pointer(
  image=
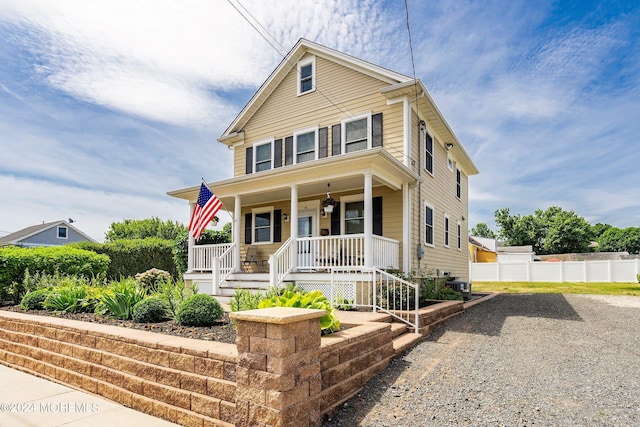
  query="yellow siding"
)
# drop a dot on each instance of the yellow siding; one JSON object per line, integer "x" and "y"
{"x": 342, "y": 93}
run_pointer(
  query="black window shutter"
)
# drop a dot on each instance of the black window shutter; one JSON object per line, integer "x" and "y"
{"x": 335, "y": 140}
{"x": 247, "y": 228}
{"x": 277, "y": 225}
{"x": 288, "y": 150}
{"x": 277, "y": 153}
{"x": 322, "y": 142}
{"x": 376, "y": 130}
{"x": 377, "y": 216}
{"x": 335, "y": 220}
{"x": 249, "y": 160}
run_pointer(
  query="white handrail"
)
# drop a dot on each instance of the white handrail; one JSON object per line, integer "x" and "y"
{"x": 222, "y": 267}
{"x": 280, "y": 264}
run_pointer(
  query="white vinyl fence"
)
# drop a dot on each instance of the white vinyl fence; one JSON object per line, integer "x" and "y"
{"x": 566, "y": 271}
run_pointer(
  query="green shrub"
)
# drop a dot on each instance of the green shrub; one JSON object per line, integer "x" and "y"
{"x": 119, "y": 299}
{"x": 300, "y": 299}
{"x": 174, "y": 293}
{"x": 209, "y": 237}
{"x": 244, "y": 299}
{"x": 199, "y": 310}
{"x": 66, "y": 260}
{"x": 149, "y": 310}
{"x": 153, "y": 278}
{"x": 34, "y": 299}
{"x": 130, "y": 257}
{"x": 73, "y": 296}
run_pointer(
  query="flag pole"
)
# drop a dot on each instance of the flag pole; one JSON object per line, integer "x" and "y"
{"x": 225, "y": 208}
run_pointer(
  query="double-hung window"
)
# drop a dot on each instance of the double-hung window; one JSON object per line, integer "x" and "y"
{"x": 306, "y": 75}
{"x": 354, "y": 217}
{"x": 458, "y": 183}
{"x": 305, "y": 145}
{"x": 459, "y": 227}
{"x": 263, "y": 155}
{"x": 62, "y": 232}
{"x": 428, "y": 221}
{"x": 428, "y": 153}
{"x": 446, "y": 230}
{"x": 262, "y": 226}
{"x": 356, "y": 134}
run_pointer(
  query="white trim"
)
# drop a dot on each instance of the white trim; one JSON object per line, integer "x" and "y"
{"x": 255, "y": 211}
{"x": 446, "y": 232}
{"x": 343, "y": 130}
{"x": 450, "y": 162}
{"x": 305, "y": 131}
{"x": 347, "y": 199}
{"x": 255, "y": 153}
{"x": 459, "y": 235}
{"x": 66, "y": 232}
{"x": 458, "y": 183}
{"x": 406, "y": 132}
{"x": 303, "y": 63}
{"x": 433, "y": 225}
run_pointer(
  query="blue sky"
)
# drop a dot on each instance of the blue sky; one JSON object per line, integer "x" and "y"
{"x": 107, "y": 105}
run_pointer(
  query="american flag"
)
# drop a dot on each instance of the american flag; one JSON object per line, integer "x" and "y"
{"x": 207, "y": 206}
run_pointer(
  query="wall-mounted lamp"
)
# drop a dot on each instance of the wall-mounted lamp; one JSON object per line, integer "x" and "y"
{"x": 448, "y": 146}
{"x": 328, "y": 204}
{"x": 285, "y": 217}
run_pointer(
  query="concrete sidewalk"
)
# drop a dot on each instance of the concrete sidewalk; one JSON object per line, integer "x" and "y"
{"x": 28, "y": 401}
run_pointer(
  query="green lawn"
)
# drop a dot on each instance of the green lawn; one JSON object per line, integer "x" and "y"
{"x": 559, "y": 288}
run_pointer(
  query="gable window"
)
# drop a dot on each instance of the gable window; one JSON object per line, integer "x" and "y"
{"x": 354, "y": 217}
{"x": 263, "y": 155}
{"x": 428, "y": 153}
{"x": 458, "y": 183}
{"x": 450, "y": 163}
{"x": 305, "y": 145}
{"x": 446, "y": 230}
{"x": 62, "y": 232}
{"x": 428, "y": 221}
{"x": 459, "y": 245}
{"x": 306, "y": 75}
{"x": 262, "y": 226}
{"x": 356, "y": 134}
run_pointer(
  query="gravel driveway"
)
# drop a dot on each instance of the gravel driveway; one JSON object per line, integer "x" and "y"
{"x": 514, "y": 360}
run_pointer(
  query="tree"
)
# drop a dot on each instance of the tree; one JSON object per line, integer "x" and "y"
{"x": 208, "y": 237}
{"x": 598, "y": 229}
{"x": 551, "y": 231}
{"x": 564, "y": 231}
{"x": 482, "y": 230}
{"x": 143, "y": 229}
{"x": 620, "y": 240}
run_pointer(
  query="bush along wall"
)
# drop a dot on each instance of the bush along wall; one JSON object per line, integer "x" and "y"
{"x": 130, "y": 257}
{"x": 14, "y": 262}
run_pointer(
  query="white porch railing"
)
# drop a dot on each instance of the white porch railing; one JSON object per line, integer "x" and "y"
{"x": 280, "y": 264}
{"x": 202, "y": 255}
{"x": 376, "y": 289}
{"x": 324, "y": 252}
{"x": 222, "y": 267}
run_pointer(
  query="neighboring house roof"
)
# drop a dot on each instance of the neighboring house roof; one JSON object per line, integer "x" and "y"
{"x": 528, "y": 249}
{"x": 400, "y": 85}
{"x": 475, "y": 242}
{"x": 20, "y": 235}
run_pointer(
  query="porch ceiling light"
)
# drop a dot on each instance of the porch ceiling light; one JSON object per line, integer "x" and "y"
{"x": 329, "y": 203}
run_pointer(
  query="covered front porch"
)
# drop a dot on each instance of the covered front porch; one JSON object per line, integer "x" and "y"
{"x": 281, "y": 223}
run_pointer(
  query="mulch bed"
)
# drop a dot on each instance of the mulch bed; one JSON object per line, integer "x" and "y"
{"x": 222, "y": 331}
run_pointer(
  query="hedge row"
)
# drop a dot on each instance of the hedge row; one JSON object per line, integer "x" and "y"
{"x": 130, "y": 257}
{"x": 15, "y": 261}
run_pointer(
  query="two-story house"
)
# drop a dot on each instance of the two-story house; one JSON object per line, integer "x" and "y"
{"x": 339, "y": 165}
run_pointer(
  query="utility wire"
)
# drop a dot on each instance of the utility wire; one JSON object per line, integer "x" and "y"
{"x": 272, "y": 41}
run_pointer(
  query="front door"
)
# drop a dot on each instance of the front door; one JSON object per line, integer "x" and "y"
{"x": 306, "y": 248}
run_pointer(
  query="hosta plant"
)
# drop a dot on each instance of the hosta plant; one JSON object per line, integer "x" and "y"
{"x": 315, "y": 299}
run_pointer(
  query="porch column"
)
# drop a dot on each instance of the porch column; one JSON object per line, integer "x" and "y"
{"x": 192, "y": 242}
{"x": 406, "y": 228}
{"x": 237, "y": 216}
{"x": 294, "y": 227}
{"x": 368, "y": 220}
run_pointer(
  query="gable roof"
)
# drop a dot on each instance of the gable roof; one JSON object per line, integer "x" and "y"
{"x": 400, "y": 85}
{"x": 18, "y": 236}
{"x": 289, "y": 62}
